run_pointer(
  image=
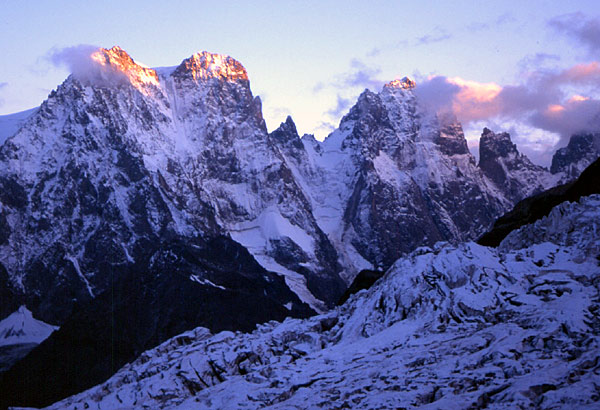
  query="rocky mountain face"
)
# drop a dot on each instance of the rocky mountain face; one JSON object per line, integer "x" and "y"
{"x": 117, "y": 208}
{"x": 512, "y": 172}
{"x": 581, "y": 150}
{"x": 157, "y": 198}
{"x": 125, "y": 157}
{"x": 394, "y": 177}
{"x": 446, "y": 327}
{"x": 116, "y": 163}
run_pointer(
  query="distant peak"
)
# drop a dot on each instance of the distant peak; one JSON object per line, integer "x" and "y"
{"x": 205, "y": 65}
{"x": 492, "y": 145}
{"x": 404, "y": 83}
{"x": 289, "y": 122}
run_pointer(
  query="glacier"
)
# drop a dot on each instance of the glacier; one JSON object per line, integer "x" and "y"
{"x": 449, "y": 326}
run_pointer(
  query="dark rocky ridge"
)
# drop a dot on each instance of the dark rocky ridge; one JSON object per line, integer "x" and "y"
{"x": 364, "y": 280}
{"x": 149, "y": 303}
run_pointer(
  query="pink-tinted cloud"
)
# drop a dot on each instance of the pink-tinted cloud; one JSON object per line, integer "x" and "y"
{"x": 545, "y": 100}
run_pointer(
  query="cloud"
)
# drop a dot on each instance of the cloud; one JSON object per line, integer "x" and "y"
{"x": 437, "y": 94}
{"x": 342, "y": 105}
{"x": 347, "y": 86}
{"x": 537, "y": 60}
{"x": 374, "y": 52}
{"x": 436, "y": 36}
{"x": 584, "y": 30}
{"x": 546, "y": 100}
{"x": 85, "y": 63}
{"x": 360, "y": 75}
{"x": 77, "y": 59}
{"x": 503, "y": 19}
{"x": 323, "y": 128}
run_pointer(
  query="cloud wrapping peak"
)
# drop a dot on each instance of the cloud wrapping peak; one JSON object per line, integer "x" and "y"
{"x": 80, "y": 62}
{"x": 77, "y": 59}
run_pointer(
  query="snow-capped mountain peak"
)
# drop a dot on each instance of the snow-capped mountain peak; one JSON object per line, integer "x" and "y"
{"x": 113, "y": 66}
{"x": 205, "y": 65}
{"x": 405, "y": 83}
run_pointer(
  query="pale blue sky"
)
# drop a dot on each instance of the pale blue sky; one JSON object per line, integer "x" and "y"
{"x": 304, "y": 58}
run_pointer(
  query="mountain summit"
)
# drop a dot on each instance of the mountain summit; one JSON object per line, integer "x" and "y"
{"x": 404, "y": 83}
{"x": 205, "y": 65}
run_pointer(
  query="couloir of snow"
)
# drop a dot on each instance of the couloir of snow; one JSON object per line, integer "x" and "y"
{"x": 453, "y": 327}
{"x": 21, "y": 327}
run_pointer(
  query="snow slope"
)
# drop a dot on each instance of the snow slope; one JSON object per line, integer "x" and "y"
{"x": 453, "y": 327}
{"x": 21, "y": 327}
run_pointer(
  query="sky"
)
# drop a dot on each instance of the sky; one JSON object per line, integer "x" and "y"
{"x": 527, "y": 67}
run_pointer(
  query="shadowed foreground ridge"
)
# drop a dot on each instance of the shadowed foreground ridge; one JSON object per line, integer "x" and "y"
{"x": 143, "y": 308}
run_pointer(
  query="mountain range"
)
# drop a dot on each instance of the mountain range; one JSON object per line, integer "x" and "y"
{"x": 138, "y": 203}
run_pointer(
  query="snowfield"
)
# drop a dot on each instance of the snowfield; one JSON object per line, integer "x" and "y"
{"x": 449, "y": 327}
